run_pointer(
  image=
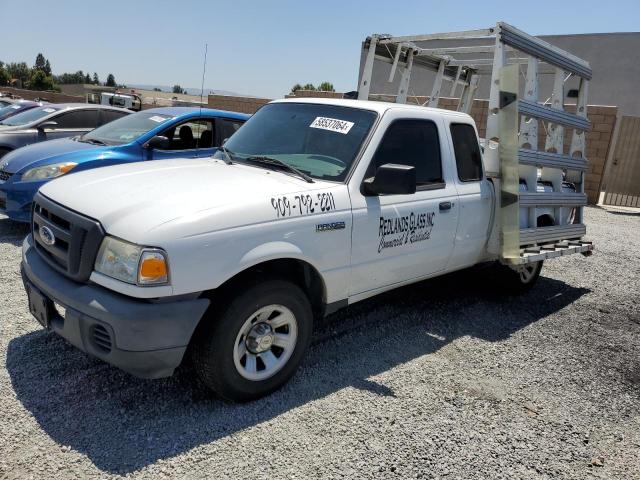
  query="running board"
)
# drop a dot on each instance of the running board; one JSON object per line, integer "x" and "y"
{"x": 552, "y": 250}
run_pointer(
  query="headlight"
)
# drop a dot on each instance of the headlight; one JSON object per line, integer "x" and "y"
{"x": 132, "y": 263}
{"x": 48, "y": 171}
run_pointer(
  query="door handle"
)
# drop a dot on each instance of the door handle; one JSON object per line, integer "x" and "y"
{"x": 445, "y": 206}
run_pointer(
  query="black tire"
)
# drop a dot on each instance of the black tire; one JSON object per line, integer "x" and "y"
{"x": 519, "y": 281}
{"x": 215, "y": 343}
{"x": 4, "y": 151}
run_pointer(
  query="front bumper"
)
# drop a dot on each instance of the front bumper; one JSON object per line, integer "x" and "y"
{"x": 16, "y": 198}
{"x": 145, "y": 339}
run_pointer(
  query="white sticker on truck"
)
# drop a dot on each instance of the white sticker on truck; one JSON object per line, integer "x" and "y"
{"x": 332, "y": 124}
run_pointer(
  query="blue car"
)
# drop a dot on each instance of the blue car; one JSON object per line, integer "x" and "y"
{"x": 158, "y": 133}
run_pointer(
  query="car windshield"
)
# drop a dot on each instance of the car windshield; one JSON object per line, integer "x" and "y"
{"x": 319, "y": 140}
{"x": 28, "y": 116}
{"x": 126, "y": 129}
{"x": 9, "y": 110}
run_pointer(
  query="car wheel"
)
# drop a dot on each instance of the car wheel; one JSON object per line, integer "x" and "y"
{"x": 4, "y": 151}
{"x": 256, "y": 344}
{"x": 521, "y": 278}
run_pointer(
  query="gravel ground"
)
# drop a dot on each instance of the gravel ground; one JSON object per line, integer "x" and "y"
{"x": 444, "y": 379}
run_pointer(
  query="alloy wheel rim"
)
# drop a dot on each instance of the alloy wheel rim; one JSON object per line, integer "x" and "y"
{"x": 265, "y": 342}
{"x": 527, "y": 273}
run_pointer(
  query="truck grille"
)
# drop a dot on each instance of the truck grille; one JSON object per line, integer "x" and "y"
{"x": 67, "y": 241}
{"x": 4, "y": 176}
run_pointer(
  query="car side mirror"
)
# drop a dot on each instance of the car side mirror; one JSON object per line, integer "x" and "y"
{"x": 48, "y": 124}
{"x": 391, "y": 179}
{"x": 159, "y": 142}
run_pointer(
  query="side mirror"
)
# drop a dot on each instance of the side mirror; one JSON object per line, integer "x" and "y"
{"x": 391, "y": 179}
{"x": 48, "y": 124}
{"x": 159, "y": 142}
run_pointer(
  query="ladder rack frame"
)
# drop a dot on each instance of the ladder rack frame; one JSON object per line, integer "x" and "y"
{"x": 512, "y": 244}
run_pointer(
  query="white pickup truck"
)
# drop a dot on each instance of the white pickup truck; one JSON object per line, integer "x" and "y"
{"x": 311, "y": 206}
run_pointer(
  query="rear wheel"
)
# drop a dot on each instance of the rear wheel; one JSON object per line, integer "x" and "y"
{"x": 520, "y": 278}
{"x": 257, "y": 343}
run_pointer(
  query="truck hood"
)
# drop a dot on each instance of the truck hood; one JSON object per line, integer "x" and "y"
{"x": 186, "y": 196}
{"x": 45, "y": 152}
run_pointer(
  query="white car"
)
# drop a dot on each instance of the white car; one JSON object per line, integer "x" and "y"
{"x": 311, "y": 206}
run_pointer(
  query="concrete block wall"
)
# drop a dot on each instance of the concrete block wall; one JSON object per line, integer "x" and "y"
{"x": 236, "y": 103}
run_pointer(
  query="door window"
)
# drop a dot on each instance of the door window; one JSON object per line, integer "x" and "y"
{"x": 467, "y": 151}
{"x": 77, "y": 119}
{"x": 228, "y": 127}
{"x": 414, "y": 143}
{"x": 190, "y": 135}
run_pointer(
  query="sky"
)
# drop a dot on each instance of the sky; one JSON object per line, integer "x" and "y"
{"x": 262, "y": 48}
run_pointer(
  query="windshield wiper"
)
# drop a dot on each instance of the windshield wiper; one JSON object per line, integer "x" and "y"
{"x": 274, "y": 161}
{"x": 228, "y": 155}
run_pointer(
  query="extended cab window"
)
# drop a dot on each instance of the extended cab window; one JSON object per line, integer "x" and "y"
{"x": 414, "y": 143}
{"x": 467, "y": 151}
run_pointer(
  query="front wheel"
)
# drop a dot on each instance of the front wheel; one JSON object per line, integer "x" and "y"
{"x": 257, "y": 342}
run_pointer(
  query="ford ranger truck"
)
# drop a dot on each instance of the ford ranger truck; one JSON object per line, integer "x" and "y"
{"x": 311, "y": 206}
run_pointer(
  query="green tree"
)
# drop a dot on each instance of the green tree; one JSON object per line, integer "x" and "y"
{"x": 177, "y": 89}
{"x": 4, "y": 75}
{"x": 111, "y": 80}
{"x": 40, "y": 62}
{"x": 47, "y": 68}
{"x": 296, "y": 87}
{"x": 20, "y": 71}
{"x": 156, "y": 89}
{"x": 326, "y": 87}
{"x": 40, "y": 80}
{"x": 309, "y": 86}
{"x": 96, "y": 79}
{"x": 87, "y": 78}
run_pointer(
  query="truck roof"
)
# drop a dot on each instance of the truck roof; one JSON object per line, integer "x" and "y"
{"x": 379, "y": 107}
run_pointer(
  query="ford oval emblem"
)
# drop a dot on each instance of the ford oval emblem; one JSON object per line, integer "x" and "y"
{"x": 47, "y": 236}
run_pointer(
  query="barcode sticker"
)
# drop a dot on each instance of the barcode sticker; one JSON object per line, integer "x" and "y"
{"x": 332, "y": 124}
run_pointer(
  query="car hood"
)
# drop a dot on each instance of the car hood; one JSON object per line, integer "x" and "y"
{"x": 147, "y": 202}
{"x": 45, "y": 152}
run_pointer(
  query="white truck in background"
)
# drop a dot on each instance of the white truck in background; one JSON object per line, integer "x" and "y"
{"x": 311, "y": 206}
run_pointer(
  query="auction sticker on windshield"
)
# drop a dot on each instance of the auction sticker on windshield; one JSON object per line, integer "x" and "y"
{"x": 157, "y": 119}
{"x": 332, "y": 124}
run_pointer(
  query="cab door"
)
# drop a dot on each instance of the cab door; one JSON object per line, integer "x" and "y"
{"x": 399, "y": 238}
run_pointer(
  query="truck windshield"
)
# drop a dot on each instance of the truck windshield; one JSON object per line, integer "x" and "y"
{"x": 125, "y": 129}
{"x": 320, "y": 140}
{"x": 29, "y": 116}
